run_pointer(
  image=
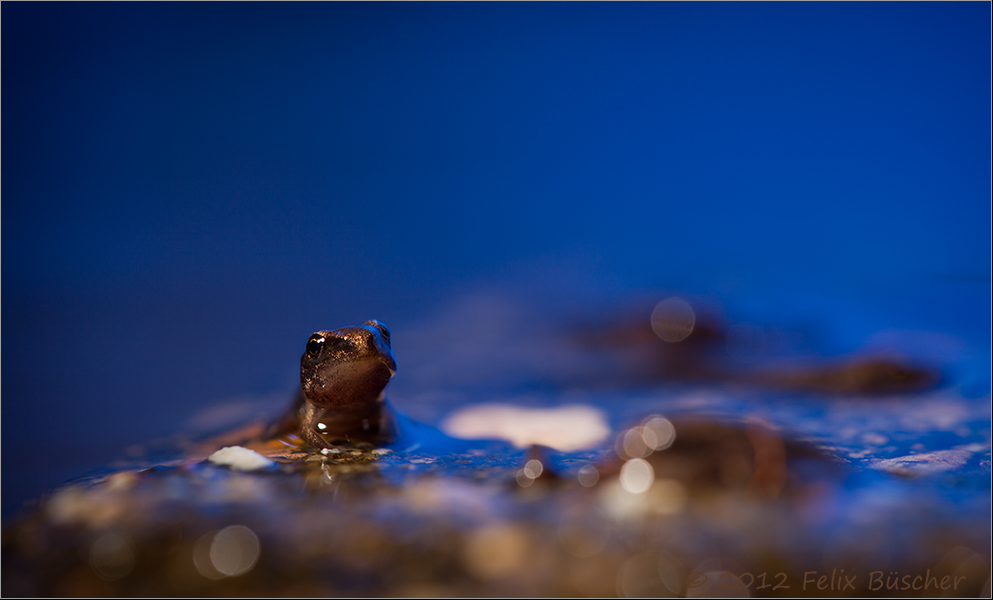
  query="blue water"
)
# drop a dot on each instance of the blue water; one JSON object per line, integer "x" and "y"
{"x": 190, "y": 190}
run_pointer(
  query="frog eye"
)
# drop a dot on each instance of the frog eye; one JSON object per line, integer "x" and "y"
{"x": 314, "y": 345}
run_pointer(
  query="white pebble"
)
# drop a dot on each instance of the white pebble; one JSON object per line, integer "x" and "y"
{"x": 566, "y": 428}
{"x": 240, "y": 458}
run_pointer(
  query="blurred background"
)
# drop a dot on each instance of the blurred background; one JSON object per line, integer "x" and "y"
{"x": 189, "y": 190}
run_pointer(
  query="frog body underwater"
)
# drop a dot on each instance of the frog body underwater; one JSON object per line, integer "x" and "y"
{"x": 343, "y": 375}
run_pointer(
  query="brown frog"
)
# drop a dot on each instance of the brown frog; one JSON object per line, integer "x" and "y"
{"x": 343, "y": 374}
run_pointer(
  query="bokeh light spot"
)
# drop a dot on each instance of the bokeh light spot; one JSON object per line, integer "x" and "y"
{"x": 658, "y": 433}
{"x": 533, "y": 468}
{"x": 588, "y": 476}
{"x": 111, "y": 556}
{"x": 634, "y": 444}
{"x": 235, "y": 550}
{"x": 673, "y": 319}
{"x": 637, "y": 476}
{"x": 229, "y": 552}
{"x": 522, "y": 478}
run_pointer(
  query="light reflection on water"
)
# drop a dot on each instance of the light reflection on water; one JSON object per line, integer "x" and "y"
{"x": 230, "y": 552}
{"x": 636, "y": 476}
{"x": 112, "y": 556}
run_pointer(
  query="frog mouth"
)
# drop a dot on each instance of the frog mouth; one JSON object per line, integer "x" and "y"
{"x": 349, "y": 384}
{"x": 389, "y": 363}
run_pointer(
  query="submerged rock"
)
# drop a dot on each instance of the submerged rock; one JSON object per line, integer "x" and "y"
{"x": 675, "y": 506}
{"x": 704, "y": 456}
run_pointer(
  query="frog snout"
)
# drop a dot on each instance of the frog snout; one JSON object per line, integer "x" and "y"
{"x": 347, "y": 366}
{"x": 349, "y": 383}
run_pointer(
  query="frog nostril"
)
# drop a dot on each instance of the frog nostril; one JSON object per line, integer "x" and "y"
{"x": 314, "y": 346}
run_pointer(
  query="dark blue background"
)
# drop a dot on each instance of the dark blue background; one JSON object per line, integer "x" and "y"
{"x": 190, "y": 189}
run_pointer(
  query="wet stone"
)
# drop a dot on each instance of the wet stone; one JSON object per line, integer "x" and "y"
{"x": 362, "y": 522}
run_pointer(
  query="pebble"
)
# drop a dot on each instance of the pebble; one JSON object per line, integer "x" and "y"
{"x": 240, "y": 458}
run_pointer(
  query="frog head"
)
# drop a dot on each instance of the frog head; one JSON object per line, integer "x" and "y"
{"x": 347, "y": 367}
